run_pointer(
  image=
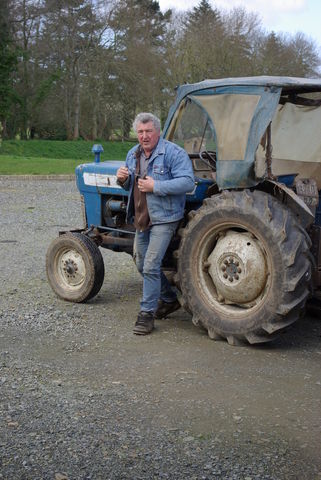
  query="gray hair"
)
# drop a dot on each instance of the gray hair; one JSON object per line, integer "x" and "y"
{"x": 145, "y": 118}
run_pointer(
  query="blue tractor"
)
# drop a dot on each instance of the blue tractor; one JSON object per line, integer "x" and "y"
{"x": 247, "y": 255}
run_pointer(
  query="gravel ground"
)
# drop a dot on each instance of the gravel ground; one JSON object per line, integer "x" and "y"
{"x": 83, "y": 398}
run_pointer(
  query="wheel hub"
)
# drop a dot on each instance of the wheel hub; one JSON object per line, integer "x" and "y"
{"x": 71, "y": 268}
{"x": 237, "y": 267}
{"x": 231, "y": 269}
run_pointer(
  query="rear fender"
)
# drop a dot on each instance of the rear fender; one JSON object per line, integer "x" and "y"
{"x": 291, "y": 199}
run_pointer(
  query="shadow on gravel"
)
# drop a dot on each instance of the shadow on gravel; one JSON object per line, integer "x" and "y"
{"x": 306, "y": 333}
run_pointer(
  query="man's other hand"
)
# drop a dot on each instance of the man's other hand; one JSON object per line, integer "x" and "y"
{"x": 146, "y": 184}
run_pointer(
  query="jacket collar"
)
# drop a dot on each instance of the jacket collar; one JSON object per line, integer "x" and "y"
{"x": 159, "y": 149}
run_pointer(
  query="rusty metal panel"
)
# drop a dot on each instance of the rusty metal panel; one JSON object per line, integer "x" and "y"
{"x": 306, "y": 188}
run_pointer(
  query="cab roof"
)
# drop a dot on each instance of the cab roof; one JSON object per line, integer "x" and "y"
{"x": 297, "y": 84}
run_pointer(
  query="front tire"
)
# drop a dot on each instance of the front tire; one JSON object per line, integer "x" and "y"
{"x": 244, "y": 267}
{"x": 75, "y": 267}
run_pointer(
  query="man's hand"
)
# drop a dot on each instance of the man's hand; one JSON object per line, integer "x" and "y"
{"x": 146, "y": 184}
{"x": 122, "y": 174}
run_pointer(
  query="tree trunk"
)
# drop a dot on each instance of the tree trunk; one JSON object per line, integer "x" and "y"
{"x": 76, "y": 99}
{"x": 77, "y": 113}
{"x": 94, "y": 125}
{"x": 67, "y": 113}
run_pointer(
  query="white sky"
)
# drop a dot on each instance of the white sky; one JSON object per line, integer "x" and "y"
{"x": 279, "y": 15}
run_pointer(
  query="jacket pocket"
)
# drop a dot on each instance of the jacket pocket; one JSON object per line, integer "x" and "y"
{"x": 161, "y": 173}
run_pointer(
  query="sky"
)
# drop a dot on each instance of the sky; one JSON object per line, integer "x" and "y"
{"x": 289, "y": 16}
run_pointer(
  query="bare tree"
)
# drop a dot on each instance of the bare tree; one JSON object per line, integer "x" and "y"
{"x": 71, "y": 33}
{"x": 202, "y": 43}
{"x": 85, "y": 67}
{"x": 305, "y": 56}
{"x": 243, "y": 30}
{"x": 282, "y": 54}
{"x": 139, "y": 56}
{"x": 26, "y": 18}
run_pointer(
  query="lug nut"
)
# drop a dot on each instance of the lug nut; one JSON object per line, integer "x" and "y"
{"x": 226, "y": 262}
{"x": 225, "y": 275}
{"x": 205, "y": 266}
{"x": 239, "y": 270}
{"x": 230, "y": 279}
{"x": 236, "y": 277}
{"x": 223, "y": 268}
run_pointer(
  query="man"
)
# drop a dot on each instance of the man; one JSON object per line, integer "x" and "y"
{"x": 157, "y": 174}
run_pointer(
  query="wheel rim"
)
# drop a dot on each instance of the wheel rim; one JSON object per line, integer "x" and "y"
{"x": 70, "y": 269}
{"x": 233, "y": 269}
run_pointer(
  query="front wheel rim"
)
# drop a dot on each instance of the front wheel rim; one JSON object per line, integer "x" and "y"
{"x": 70, "y": 269}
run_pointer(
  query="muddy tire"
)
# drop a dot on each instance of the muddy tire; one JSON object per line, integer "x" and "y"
{"x": 75, "y": 267}
{"x": 244, "y": 267}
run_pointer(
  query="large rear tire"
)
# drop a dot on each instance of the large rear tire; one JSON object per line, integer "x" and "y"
{"x": 75, "y": 267}
{"x": 244, "y": 267}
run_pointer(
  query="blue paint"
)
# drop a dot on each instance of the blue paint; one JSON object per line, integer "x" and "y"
{"x": 93, "y": 208}
{"x": 93, "y": 193}
{"x": 200, "y": 191}
{"x": 288, "y": 180}
{"x": 102, "y": 168}
{"x": 97, "y": 150}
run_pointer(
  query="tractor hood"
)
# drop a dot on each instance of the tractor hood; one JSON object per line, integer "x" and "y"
{"x": 99, "y": 178}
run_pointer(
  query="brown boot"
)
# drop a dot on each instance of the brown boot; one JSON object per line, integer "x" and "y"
{"x": 144, "y": 324}
{"x": 165, "y": 308}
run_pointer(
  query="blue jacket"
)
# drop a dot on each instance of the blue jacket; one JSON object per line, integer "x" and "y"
{"x": 172, "y": 171}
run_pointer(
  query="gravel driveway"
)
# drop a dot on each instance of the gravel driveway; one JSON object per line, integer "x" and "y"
{"x": 83, "y": 398}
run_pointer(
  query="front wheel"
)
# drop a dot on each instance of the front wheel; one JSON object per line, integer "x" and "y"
{"x": 243, "y": 266}
{"x": 75, "y": 267}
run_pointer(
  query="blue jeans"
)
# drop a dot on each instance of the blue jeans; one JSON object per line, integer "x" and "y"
{"x": 151, "y": 246}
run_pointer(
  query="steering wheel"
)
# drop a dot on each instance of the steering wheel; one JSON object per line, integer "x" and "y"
{"x": 209, "y": 158}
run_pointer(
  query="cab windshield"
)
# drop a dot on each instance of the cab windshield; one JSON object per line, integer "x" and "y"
{"x": 192, "y": 128}
{"x": 214, "y": 122}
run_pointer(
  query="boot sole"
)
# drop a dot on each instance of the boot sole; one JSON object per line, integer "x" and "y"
{"x": 136, "y": 332}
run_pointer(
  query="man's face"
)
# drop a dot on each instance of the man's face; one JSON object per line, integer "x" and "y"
{"x": 148, "y": 136}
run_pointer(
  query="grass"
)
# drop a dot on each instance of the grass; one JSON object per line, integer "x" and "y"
{"x": 14, "y": 165}
{"x": 49, "y": 157}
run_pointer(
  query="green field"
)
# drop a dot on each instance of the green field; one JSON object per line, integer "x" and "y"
{"x": 49, "y": 157}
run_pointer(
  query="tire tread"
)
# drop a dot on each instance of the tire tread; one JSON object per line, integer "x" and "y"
{"x": 291, "y": 241}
